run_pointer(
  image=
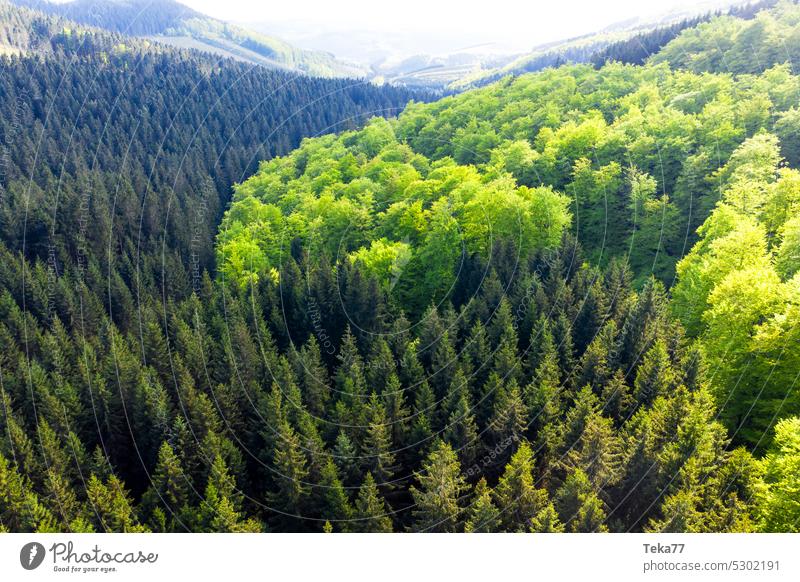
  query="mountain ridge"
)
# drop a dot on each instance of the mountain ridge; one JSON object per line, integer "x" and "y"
{"x": 173, "y": 23}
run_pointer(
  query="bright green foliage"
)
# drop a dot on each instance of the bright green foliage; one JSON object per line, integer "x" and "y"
{"x": 384, "y": 260}
{"x": 484, "y": 516}
{"x": 780, "y": 500}
{"x": 367, "y": 195}
{"x": 737, "y": 293}
{"x": 733, "y": 44}
{"x": 547, "y": 521}
{"x": 630, "y": 151}
{"x": 787, "y": 260}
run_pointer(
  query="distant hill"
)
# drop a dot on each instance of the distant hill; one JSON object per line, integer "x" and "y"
{"x": 635, "y": 50}
{"x": 630, "y": 41}
{"x": 738, "y": 45}
{"x": 178, "y": 25}
{"x": 577, "y": 50}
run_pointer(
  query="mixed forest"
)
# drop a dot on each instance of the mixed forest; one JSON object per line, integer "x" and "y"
{"x": 565, "y": 302}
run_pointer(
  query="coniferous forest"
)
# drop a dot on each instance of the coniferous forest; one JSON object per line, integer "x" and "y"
{"x": 235, "y": 299}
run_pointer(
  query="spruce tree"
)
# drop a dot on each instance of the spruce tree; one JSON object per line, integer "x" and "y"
{"x": 334, "y": 505}
{"x": 371, "y": 513}
{"x": 314, "y": 379}
{"x": 461, "y": 432}
{"x": 546, "y": 521}
{"x": 166, "y": 500}
{"x": 439, "y": 497}
{"x": 509, "y": 420}
{"x": 578, "y": 505}
{"x": 516, "y": 493}
{"x": 484, "y": 516}
{"x": 291, "y": 474}
{"x": 378, "y": 456}
{"x": 346, "y": 458}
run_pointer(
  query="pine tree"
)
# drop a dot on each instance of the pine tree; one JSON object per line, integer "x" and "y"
{"x": 397, "y": 413}
{"x": 647, "y": 316}
{"x": 314, "y": 379}
{"x": 443, "y": 365}
{"x": 680, "y": 514}
{"x": 506, "y": 362}
{"x": 425, "y": 412}
{"x": 597, "y": 452}
{"x": 593, "y": 314}
{"x": 501, "y": 329}
{"x": 479, "y": 352}
{"x": 599, "y": 360}
{"x": 585, "y": 406}
{"x": 20, "y": 508}
{"x": 542, "y": 362}
{"x": 112, "y": 507}
{"x": 220, "y": 509}
{"x": 562, "y": 336}
{"x": 380, "y": 365}
{"x": 617, "y": 398}
{"x": 312, "y": 444}
{"x": 351, "y": 383}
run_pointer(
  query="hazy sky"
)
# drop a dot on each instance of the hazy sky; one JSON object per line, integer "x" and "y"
{"x": 521, "y": 23}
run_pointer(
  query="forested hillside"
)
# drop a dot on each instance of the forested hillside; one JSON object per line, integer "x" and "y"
{"x": 566, "y": 302}
{"x": 621, "y": 44}
{"x": 738, "y": 45}
{"x": 637, "y": 49}
{"x": 173, "y": 23}
{"x": 136, "y": 145}
{"x": 636, "y": 150}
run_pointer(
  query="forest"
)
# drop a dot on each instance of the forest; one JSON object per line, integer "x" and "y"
{"x": 236, "y": 300}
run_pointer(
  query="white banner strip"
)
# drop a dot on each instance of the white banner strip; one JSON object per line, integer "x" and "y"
{"x": 401, "y": 557}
